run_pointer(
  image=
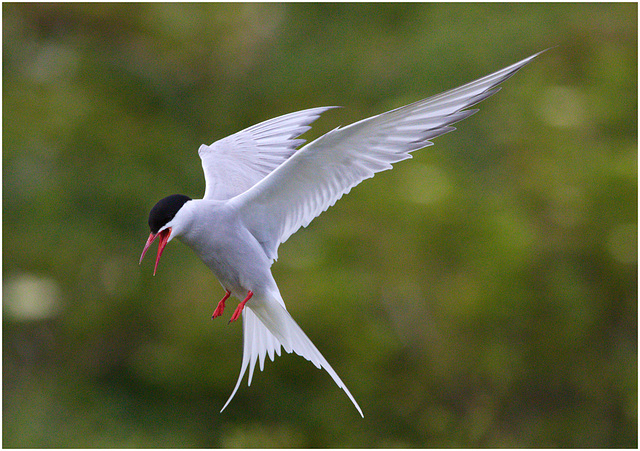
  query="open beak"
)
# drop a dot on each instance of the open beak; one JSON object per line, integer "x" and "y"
{"x": 164, "y": 237}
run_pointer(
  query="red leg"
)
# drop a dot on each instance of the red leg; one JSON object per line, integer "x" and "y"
{"x": 220, "y": 307}
{"x": 236, "y": 314}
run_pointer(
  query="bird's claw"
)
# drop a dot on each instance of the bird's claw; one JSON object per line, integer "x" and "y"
{"x": 238, "y": 310}
{"x": 220, "y": 308}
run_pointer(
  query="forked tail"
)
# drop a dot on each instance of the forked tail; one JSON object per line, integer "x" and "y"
{"x": 268, "y": 325}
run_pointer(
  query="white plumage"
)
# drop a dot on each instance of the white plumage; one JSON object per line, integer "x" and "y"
{"x": 260, "y": 189}
{"x": 234, "y": 164}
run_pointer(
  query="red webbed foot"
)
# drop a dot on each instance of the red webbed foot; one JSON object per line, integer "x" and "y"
{"x": 220, "y": 307}
{"x": 238, "y": 311}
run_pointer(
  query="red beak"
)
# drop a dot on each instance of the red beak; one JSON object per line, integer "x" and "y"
{"x": 164, "y": 237}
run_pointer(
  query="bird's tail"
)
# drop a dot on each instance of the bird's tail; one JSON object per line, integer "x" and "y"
{"x": 267, "y": 326}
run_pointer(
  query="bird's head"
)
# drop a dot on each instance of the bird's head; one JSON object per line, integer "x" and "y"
{"x": 165, "y": 223}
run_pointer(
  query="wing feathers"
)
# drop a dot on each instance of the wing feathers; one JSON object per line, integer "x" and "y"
{"x": 321, "y": 172}
{"x": 234, "y": 164}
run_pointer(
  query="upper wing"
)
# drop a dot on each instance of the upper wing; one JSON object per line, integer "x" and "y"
{"x": 316, "y": 176}
{"x": 234, "y": 164}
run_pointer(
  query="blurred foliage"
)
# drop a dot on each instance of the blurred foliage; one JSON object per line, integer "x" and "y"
{"x": 482, "y": 294}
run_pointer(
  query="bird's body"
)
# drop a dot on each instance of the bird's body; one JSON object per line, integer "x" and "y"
{"x": 232, "y": 253}
{"x": 262, "y": 187}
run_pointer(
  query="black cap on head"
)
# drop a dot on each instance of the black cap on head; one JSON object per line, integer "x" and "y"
{"x": 165, "y": 210}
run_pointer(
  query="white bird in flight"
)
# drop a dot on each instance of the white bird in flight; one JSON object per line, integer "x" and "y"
{"x": 261, "y": 187}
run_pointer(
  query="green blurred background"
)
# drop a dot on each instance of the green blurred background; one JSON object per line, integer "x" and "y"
{"x": 482, "y": 294}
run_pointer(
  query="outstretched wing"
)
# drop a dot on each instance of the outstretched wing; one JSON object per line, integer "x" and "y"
{"x": 234, "y": 164}
{"x": 321, "y": 172}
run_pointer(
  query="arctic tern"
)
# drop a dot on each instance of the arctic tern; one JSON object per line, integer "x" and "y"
{"x": 262, "y": 186}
